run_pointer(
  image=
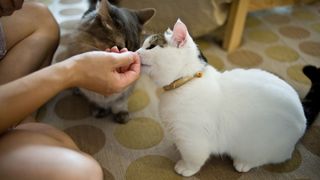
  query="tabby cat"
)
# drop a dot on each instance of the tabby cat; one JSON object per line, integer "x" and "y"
{"x": 103, "y": 28}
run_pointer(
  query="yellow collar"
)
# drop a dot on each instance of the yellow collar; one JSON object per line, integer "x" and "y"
{"x": 181, "y": 81}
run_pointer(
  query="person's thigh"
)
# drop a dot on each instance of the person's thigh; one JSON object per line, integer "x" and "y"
{"x": 36, "y": 151}
{"x": 50, "y": 131}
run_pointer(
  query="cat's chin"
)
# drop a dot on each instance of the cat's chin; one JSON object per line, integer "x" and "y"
{"x": 145, "y": 69}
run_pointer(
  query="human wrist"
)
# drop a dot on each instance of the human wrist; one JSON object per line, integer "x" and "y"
{"x": 66, "y": 70}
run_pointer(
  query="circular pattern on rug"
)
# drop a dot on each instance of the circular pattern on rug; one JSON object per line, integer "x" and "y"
{"x": 69, "y": 1}
{"x": 287, "y": 166}
{"x": 152, "y": 167}
{"x": 277, "y": 19}
{"x": 219, "y": 169}
{"x": 139, "y": 133}
{"x": 70, "y": 24}
{"x": 214, "y": 60}
{"x": 304, "y": 15}
{"x": 263, "y": 36}
{"x": 252, "y": 22}
{"x": 311, "y": 140}
{"x": 316, "y": 27}
{"x": 71, "y": 11}
{"x": 90, "y": 139}
{"x": 107, "y": 175}
{"x": 310, "y": 47}
{"x": 245, "y": 58}
{"x": 294, "y": 32}
{"x": 72, "y": 107}
{"x": 138, "y": 100}
{"x": 295, "y": 73}
{"x": 282, "y": 53}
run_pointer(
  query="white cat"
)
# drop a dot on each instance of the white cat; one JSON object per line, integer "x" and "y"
{"x": 251, "y": 115}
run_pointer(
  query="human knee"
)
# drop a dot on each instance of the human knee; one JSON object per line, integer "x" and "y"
{"x": 46, "y": 158}
{"x": 50, "y": 163}
{"x": 48, "y": 130}
{"x": 84, "y": 167}
{"x": 46, "y": 23}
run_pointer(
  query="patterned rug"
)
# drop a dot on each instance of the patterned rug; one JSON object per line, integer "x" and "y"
{"x": 280, "y": 41}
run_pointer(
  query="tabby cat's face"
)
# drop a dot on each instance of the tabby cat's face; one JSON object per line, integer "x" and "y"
{"x": 117, "y": 26}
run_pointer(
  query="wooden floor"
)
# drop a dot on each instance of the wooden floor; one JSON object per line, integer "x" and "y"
{"x": 238, "y": 14}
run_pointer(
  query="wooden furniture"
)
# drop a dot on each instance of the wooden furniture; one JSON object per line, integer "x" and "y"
{"x": 237, "y": 16}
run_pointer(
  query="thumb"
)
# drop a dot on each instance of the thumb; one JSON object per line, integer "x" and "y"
{"x": 125, "y": 59}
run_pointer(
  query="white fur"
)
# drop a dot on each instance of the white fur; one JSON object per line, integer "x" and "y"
{"x": 117, "y": 102}
{"x": 251, "y": 115}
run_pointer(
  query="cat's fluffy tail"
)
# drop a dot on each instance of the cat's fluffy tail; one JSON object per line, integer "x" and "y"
{"x": 311, "y": 102}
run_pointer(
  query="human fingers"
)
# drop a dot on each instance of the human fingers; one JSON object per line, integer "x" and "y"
{"x": 132, "y": 74}
{"x": 136, "y": 65}
{"x": 123, "y": 50}
{"x": 124, "y": 59}
{"x": 114, "y": 49}
{"x": 125, "y": 68}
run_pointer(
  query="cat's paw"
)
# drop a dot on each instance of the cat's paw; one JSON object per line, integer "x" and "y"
{"x": 99, "y": 112}
{"x": 241, "y": 167}
{"x": 121, "y": 117}
{"x": 184, "y": 170}
{"x": 76, "y": 92}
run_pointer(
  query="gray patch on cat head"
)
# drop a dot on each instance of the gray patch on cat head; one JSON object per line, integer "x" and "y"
{"x": 158, "y": 40}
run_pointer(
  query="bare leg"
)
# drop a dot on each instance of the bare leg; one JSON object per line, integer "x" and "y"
{"x": 39, "y": 151}
{"x": 32, "y": 36}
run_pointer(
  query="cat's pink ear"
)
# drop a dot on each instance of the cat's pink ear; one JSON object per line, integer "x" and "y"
{"x": 180, "y": 33}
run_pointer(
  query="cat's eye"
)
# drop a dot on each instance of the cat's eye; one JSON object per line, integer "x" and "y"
{"x": 151, "y": 46}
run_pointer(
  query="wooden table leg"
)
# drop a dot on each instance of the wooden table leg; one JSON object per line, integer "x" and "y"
{"x": 235, "y": 24}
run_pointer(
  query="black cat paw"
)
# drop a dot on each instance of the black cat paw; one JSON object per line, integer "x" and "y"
{"x": 100, "y": 112}
{"x": 76, "y": 92}
{"x": 121, "y": 117}
{"x": 312, "y": 73}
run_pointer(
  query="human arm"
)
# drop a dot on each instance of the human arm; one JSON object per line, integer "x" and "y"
{"x": 7, "y": 7}
{"x": 97, "y": 71}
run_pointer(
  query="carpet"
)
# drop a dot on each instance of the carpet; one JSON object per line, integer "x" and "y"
{"x": 280, "y": 40}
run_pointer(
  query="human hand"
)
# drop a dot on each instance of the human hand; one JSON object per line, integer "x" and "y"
{"x": 7, "y": 7}
{"x": 116, "y": 50}
{"x": 105, "y": 72}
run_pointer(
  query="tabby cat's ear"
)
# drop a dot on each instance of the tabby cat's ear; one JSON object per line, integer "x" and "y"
{"x": 180, "y": 33}
{"x": 144, "y": 15}
{"x": 103, "y": 12}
